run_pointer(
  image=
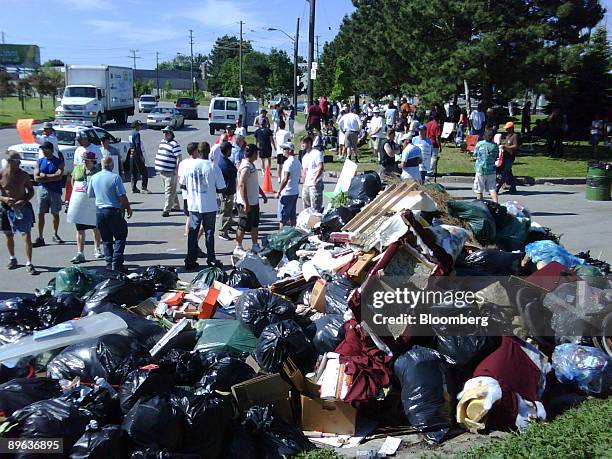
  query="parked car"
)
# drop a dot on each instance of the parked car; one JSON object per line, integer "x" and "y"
{"x": 188, "y": 107}
{"x": 226, "y": 110}
{"x": 146, "y": 103}
{"x": 161, "y": 117}
{"x": 66, "y": 140}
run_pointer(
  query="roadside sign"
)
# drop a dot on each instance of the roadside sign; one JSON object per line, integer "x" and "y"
{"x": 313, "y": 74}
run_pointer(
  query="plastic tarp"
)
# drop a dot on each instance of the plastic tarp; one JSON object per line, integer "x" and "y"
{"x": 478, "y": 216}
{"x": 288, "y": 240}
{"x": 224, "y": 336}
{"x": 75, "y": 280}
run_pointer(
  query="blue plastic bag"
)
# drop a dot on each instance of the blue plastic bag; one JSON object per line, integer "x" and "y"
{"x": 587, "y": 367}
{"x": 548, "y": 251}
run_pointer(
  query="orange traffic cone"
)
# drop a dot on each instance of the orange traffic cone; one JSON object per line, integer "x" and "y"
{"x": 266, "y": 186}
{"x": 68, "y": 192}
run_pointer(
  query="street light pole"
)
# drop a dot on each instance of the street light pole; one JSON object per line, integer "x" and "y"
{"x": 191, "y": 64}
{"x": 311, "y": 36}
{"x": 295, "y": 64}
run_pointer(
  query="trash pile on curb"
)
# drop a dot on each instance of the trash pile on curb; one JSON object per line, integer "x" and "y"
{"x": 280, "y": 354}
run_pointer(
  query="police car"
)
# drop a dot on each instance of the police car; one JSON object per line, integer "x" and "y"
{"x": 66, "y": 138}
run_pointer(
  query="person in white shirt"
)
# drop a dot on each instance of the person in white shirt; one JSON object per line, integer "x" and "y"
{"x": 410, "y": 159}
{"x": 377, "y": 132}
{"x": 289, "y": 190}
{"x": 86, "y": 145}
{"x": 202, "y": 181}
{"x": 247, "y": 198}
{"x": 341, "y": 136}
{"x": 215, "y": 153}
{"x": 240, "y": 129}
{"x": 426, "y": 150}
{"x": 312, "y": 176}
{"x": 281, "y": 137}
{"x": 477, "y": 120}
{"x": 350, "y": 124}
{"x": 48, "y": 135}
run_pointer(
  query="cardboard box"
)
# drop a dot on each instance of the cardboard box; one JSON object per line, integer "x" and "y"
{"x": 317, "y": 296}
{"x": 328, "y": 416}
{"x": 261, "y": 389}
{"x": 302, "y": 384}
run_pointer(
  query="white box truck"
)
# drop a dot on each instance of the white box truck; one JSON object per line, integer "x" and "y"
{"x": 97, "y": 93}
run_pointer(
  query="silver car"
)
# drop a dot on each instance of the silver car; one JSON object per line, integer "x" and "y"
{"x": 165, "y": 116}
{"x": 146, "y": 103}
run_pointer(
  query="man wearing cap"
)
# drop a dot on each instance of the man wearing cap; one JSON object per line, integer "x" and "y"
{"x": 108, "y": 150}
{"x": 48, "y": 135}
{"x": 138, "y": 167}
{"x": 111, "y": 201}
{"x": 289, "y": 190}
{"x": 510, "y": 147}
{"x": 85, "y": 145}
{"x": 426, "y": 148}
{"x": 377, "y": 132}
{"x": 48, "y": 174}
{"x": 410, "y": 159}
{"x": 16, "y": 213}
{"x": 262, "y": 119}
{"x": 167, "y": 159}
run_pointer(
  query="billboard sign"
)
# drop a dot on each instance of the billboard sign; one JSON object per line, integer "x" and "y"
{"x": 20, "y": 55}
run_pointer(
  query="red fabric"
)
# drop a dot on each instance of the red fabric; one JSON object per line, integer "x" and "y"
{"x": 433, "y": 132}
{"x": 367, "y": 364}
{"x": 516, "y": 374}
{"x": 314, "y": 114}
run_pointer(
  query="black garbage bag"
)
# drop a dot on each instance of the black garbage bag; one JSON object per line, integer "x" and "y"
{"x": 19, "y": 313}
{"x": 428, "y": 394}
{"x": 108, "y": 442}
{"x": 120, "y": 291}
{"x": 243, "y": 278}
{"x": 156, "y": 422}
{"x": 10, "y": 334}
{"x": 186, "y": 367}
{"x": 144, "y": 382}
{"x": 151, "y": 453}
{"x": 364, "y": 187}
{"x": 281, "y": 340}
{"x": 206, "y": 277}
{"x": 499, "y": 213}
{"x": 335, "y": 219}
{"x": 493, "y": 262}
{"x": 478, "y": 216}
{"x": 258, "y": 308}
{"x": 58, "y": 309}
{"x": 209, "y": 419}
{"x": 21, "y": 392}
{"x": 512, "y": 234}
{"x": 223, "y": 374}
{"x": 110, "y": 357}
{"x": 100, "y": 400}
{"x": 336, "y": 293}
{"x": 146, "y": 331}
{"x": 329, "y": 333}
{"x": 273, "y": 437}
{"x": 162, "y": 277}
{"x": 23, "y": 368}
{"x": 243, "y": 445}
{"x": 53, "y": 418}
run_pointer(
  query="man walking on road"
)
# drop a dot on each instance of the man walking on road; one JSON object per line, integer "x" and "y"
{"x": 312, "y": 176}
{"x": 108, "y": 150}
{"x": 111, "y": 200}
{"x": 48, "y": 174}
{"x": 16, "y": 213}
{"x": 166, "y": 164}
{"x": 248, "y": 201}
{"x": 138, "y": 167}
{"x": 202, "y": 181}
{"x": 229, "y": 171}
{"x": 289, "y": 190}
{"x": 265, "y": 143}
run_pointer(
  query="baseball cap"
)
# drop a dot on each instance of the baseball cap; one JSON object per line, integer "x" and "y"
{"x": 136, "y": 123}
{"x": 47, "y": 125}
{"x": 405, "y": 137}
{"x": 509, "y": 125}
{"x": 168, "y": 129}
{"x": 89, "y": 156}
{"x": 422, "y": 127}
{"x": 287, "y": 146}
{"x": 47, "y": 146}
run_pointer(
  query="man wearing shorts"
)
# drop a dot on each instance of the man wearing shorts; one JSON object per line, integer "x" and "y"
{"x": 16, "y": 213}
{"x": 247, "y": 198}
{"x": 312, "y": 176}
{"x": 290, "y": 187}
{"x": 281, "y": 137}
{"x": 486, "y": 152}
{"x": 48, "y": 174}
{"x": 350, "y": 124}
{"x": 265, "y": 143}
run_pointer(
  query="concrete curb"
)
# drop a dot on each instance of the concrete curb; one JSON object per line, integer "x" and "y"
{"x": 521, "y": 181}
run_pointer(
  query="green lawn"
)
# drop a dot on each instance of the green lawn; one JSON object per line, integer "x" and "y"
{"x": 10, "y": 110}
{"x": 581, "y": 432}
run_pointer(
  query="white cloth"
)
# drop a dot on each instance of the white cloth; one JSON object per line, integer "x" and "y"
{"x": 181, "y": 170}
{"x": 215, "y": 154}
{"x": 280, "y": 138}
{"x": 252, "y": 183}
{"x": 390, "y": 116}
{"x": 310, "y": 163}
{"x": 477, "y": 119}
{"x": 202, "y": 179}
{"x": 78, "y": 153}
{"x": 350, "y": 122}
{"x": 377, "y": 123}
{"x": 292, "y": 167}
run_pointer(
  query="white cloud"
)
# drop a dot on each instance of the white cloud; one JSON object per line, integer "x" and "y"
{"x": 217, "y": 14}
{"x": 86, "y": 4}
{"x": 133, "y": 34}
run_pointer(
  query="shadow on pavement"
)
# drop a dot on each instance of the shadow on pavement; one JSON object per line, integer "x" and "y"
{"x": 551, "y": 214}
{"x": 160, "y": 223}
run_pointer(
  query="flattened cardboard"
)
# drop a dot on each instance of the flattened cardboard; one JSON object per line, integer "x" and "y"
{"x": 328, "y": 416}
{"x": 302, "y": 384}
{"x": 317, "y": 296}
{"x": 261, "y": 389}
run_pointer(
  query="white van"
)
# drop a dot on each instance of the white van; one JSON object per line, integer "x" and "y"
{"x": 226, "y": 110}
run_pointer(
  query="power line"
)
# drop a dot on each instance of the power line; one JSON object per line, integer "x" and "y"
{"x": 134, "y": 56}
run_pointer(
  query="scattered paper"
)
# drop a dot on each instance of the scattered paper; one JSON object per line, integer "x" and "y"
{"x": 390, "y": 446}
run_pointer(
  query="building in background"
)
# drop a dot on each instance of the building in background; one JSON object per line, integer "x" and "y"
{"x": 180, "y": 80}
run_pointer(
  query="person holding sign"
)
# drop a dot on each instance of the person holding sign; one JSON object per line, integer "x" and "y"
{"x": 48, "y": 174}
{"x": 82, "y": 209}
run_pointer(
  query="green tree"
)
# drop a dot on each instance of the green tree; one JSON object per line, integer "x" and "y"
{"x": 228, "y": 76}
{"x": 225, "y": 48}
{"x": 183, "y": 62}
{"x": 343, "y": 88}
{"x": 281, "y": 72}
{"x": 24, "y": 89}
{"x": 6, "y": 85}
{"x": 256, "y": 74}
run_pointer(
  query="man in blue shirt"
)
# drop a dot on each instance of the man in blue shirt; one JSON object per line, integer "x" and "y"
{"x": 426, "y": 148}
{"x": 48, "y": 174}
{"x": 137, "y": 160}
{"x": 111, "y": 200}
{"x": 229, "y": 171}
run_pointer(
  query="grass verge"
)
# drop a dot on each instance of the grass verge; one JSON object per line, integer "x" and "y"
{"x": 10, "y": 110}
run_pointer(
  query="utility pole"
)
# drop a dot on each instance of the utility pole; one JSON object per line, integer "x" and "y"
{"x": 191, "y": 63}
{"x": 317, "y": 45}
{"x": 311, "y": 33}
{"x": 295, "y": 64}
{"x": 240, "y": 91}
{"x": 134, "y": 56}
{"x": 3, "y": 42}
{"x": 157, "y": 71}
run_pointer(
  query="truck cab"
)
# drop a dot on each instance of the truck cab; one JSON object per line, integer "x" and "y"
{"x": 82, "y": 102}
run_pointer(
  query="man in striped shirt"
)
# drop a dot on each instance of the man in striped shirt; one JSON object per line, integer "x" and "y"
{"x": 166, "y": 165}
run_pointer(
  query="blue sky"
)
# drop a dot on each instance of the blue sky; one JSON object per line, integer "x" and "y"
{"x": 104, "y": 31}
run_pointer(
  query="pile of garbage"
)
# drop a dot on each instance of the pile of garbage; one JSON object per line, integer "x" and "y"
{"x": 280, "y": 355}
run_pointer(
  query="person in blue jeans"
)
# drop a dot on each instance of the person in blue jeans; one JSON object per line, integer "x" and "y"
{"x": 111, "y": 201}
